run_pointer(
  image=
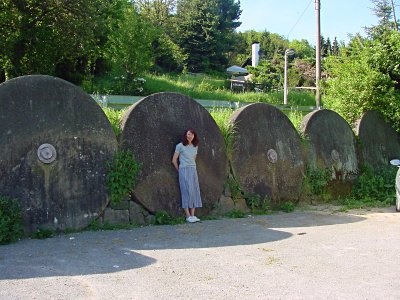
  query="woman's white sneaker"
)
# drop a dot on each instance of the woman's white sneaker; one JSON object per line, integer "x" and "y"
{"x": 190, "y": 219}
{"x": 196, "y": 219}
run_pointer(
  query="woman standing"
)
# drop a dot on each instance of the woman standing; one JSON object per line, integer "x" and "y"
{"x": 186, "y": 151}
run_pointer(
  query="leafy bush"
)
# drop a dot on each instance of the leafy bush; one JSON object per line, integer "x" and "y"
{"x": 11, "y": 229}
{"x": 316, "y": 180}
{"x": 122, "y": 174}
{"x": 366, "y": 77}
{"x": 235, "y": 188}
{"x": 42, "y": 233}
{"x": 287, "y": 206}
{"x": 258, "y": 205}
{"x": 373, "y": 188}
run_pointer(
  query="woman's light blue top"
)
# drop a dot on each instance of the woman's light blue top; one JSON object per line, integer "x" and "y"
{"x": 187, "y": 155}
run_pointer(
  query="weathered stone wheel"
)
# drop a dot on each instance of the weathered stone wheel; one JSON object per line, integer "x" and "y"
{"x": 331, "y": 146}
{"x": 267, "y": 154}
{"x": 151, "y": 128}
{"x": 379, "y": 141}
{"x": 54, "y": 143}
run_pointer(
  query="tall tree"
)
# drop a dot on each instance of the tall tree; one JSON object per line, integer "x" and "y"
{"x": 366, "y": 76}
{"x": 335, "y": 47}
{"x": 129, "y": 46}
{"x": 383, "y": 10}
{"x": 204, "y": 31}
{"x": 160, "y": 13}
{"x": 36, "y": 35}
{"x": 302, "y": 48}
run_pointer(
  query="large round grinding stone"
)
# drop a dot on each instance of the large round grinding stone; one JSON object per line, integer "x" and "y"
{"x": 54, "y": 143}
{"x": 379, "y": 141}
{"x": 267, "y": 154}
{"x": 151, "y": 128}
{"x": 332, "y": 144}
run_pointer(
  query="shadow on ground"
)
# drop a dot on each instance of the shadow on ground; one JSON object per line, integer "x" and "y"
{"x": 113, "y": 251}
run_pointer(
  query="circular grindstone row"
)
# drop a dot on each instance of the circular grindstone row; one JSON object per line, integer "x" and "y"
{"x": 54, "y": 143}
{"x": 151, "y": 128}
{"x": 267, "y": 154}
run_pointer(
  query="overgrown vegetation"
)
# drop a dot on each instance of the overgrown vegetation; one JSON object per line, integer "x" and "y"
{"x": 164, "y": 218}
{"x": 43, "y": 233}
{"x": 215, "y": 88}
{"x": 11, "y": 228}
{"x": 316, "y": 181}
{"x": 287, "y": 206}
{"x": 115, "y": 117}
{"x": 373, "y": 188}
{"x": 235, "y": 213}
{"x": 257, "y": 205}
{"x": 296, "y": 116}
{"x": 122, "y": 174}
{"x": 96, "y": 225}
{"x": 221, "y": 117}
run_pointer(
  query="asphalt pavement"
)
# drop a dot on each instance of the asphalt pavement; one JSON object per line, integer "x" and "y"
{"x": 317, "y": 253}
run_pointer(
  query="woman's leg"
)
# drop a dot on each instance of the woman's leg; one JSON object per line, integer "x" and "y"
{"x": 187, "y": 213}
{"x": 191, "y": 211}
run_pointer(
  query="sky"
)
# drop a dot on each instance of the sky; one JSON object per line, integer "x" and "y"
{"x": 296, "y": 19}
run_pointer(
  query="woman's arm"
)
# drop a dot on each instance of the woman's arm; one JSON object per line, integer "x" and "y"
{"x": 175, "y": 160}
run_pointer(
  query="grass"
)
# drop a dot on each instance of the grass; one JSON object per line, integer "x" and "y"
{"x": 221, "y": 116}
{"x": 115, "y": 117}
{"x": 199, "y": 87}
{"x": 205, "y": 87}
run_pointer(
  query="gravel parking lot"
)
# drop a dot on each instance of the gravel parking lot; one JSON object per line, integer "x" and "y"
{"x": 309, "y": 254}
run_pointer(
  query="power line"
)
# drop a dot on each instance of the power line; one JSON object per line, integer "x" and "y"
{"x": 298, "y": 20}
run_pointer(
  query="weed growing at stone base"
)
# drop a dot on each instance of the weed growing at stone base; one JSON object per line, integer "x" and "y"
{"x": 163, "y": 218}
{"x": 235, "y": 188}
{"x": 316, "y": 181}
{"x": 235, "y": 213}
{"x": 257, "y": 205}
{"x": 96, "y": 225}
{"x": 11, "y": 229}
{"x": 122, "y": 174}
{"x": 373, "y": 188}
{"x": 287, "y": 207}
{"x": 42, "y": 233}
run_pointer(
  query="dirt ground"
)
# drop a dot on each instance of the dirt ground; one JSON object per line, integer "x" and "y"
{"x": 312, "y": 253}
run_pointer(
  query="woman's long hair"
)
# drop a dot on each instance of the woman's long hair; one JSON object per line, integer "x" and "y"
{"x": 195, "y": 141}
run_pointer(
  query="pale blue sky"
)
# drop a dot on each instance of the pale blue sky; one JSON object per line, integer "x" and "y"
{"x": 338, "y": 17}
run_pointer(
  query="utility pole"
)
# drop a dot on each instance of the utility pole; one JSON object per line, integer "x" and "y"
{"x": 318, "y": 55}
{"x": 394, "y": 16}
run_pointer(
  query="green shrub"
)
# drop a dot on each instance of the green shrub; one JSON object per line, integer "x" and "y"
{"x": 163, "y": 218}
{"x": 235, "y": 213}
{"x": 258, "y": 205}
{"x": 42, "y": 233}
{"x": 287, "y": 206}
{"x": 373, "y": 188}
{"x": 11, "y": 228}
{"x": 122, "y": 174}
{"x": 316, "y": 180}
{"x": 234, "y": 187}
